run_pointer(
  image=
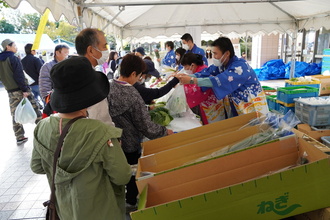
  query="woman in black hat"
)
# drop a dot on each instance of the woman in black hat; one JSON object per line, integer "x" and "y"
{"x": 92, "y": 170}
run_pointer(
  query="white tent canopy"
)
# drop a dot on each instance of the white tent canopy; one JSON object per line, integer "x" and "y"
{"x": 46, "y": 44}
{"x": 136, "y": 19}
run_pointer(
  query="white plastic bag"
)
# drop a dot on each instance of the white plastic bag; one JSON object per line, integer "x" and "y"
{"x": 29, "y": 78}
{"x": 177, "y": 102}
{"x": 24, "y": 112}
{"x": 188, "y": 120}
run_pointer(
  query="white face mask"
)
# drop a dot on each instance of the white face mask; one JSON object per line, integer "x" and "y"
{"x": 103, "y": 58}
{"x": 142, "y": 81}
{"x": 218, "y": 62}
{"x": 177, "y": 57}
{"x": 189, "y": 72}
{"x": 185, "y": 46}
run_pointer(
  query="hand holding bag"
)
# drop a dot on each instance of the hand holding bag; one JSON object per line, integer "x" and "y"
{"x": 50, "y": 204}
{"x": 24, "y": 112}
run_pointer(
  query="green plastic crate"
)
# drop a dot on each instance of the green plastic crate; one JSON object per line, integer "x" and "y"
{"x": 287, "y": 94}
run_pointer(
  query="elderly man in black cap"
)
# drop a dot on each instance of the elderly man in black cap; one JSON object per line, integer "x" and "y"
{"x": 149, "y": 94}
{"x": 12, "y": 77}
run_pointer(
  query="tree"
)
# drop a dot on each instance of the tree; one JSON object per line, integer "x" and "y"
{"x": 3, "y": 4}
{"x": 29, "y": 23}
{"x": 61, "y": 29}
{"x": 6, "y": 27}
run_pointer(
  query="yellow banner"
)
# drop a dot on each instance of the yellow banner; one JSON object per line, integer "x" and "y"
{"x": 40, "y": 31}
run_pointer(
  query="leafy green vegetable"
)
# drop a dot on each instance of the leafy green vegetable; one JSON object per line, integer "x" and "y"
{"x": 161, "y": 116}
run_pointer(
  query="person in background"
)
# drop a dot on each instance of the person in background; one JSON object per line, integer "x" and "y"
{"x": 232, "y": 79}
{"x": 12, "y": 77}
{"x": 204, "y": 104}
{"x": 92, "y": 170}
{"x": 179, "y": 52}
{"x": 92, "y": 44}
{"x": 31, "y": 66}
{"x": 189, "y": 45}
{"x": 169, "y": 59}
{"x": 243, "y": 56}
{"x": 139, "y": 52}
{"x": 129, "y": 113}
{"x": 110, "y": 67}
{"x": 208, "y": 53}
{"x": 61, "y": 52}
{"x": 149, "y": 94}
{"x": 41, "y": 59}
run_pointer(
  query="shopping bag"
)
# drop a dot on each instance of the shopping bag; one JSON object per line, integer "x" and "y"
{"x": 187, "y": 121}
{"x": 24, "y": 112}
{"x": 28, "y": 78}
{"x": 177, "y": 102}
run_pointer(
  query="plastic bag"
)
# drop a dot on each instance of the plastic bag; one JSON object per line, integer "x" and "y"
{"x": 188, "y": 120}
{"x": 28, "y": 78}
{"x": 24, "y": 112}
{"x": 177, "y": 102}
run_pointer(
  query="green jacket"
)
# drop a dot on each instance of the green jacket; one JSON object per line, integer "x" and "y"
{"x": 91, "y": 174}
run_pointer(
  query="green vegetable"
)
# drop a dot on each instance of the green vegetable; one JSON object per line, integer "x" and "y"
{"x": 161, "y": 116}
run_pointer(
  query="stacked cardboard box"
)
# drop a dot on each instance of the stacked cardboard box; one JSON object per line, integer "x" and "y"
{"x": 325, "y": 84}
{"x": 282, "y": 178}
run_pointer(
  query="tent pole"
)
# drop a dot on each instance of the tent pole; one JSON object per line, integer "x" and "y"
{"x": 80, "y": 16}
{"x": 293, "y": 52}
{"x": 121, "y": 9}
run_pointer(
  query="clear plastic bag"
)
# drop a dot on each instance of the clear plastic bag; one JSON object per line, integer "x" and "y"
{"x": 177, "y": 102}
{"x": 24, "y": 112}
{"x": 271, "y": 126}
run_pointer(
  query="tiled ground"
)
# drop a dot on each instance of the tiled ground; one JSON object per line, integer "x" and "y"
{"x": 21, "y": 191}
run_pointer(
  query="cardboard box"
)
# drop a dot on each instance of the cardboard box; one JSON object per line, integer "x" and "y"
{"x": 325, "y": 84}
{"x": 321, "y": 214}
{"x": 179, "y": 156}
{"x": 242, "y": 185}
{"x": 305, "y": 128}
{"x": 196, "y": 134}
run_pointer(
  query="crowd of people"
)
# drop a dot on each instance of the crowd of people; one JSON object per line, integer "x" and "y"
{"x": 95, "y": 173}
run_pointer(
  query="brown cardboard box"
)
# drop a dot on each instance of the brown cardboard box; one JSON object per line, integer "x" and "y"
{"x": 196, "y": 134}
{"x": 325, "y": 84}
{"x": 179, "y": 156}
{"x": 316, "y": 134}
{"x": 263, "y": 182}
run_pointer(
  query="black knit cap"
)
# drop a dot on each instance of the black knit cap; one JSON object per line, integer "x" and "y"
{"x": 77, "y": 85}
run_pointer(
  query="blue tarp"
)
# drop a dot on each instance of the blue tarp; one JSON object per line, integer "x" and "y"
{"x": 277, "y": 69}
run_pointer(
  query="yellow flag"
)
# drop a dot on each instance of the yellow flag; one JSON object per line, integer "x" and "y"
{"x": 40, "y": 31}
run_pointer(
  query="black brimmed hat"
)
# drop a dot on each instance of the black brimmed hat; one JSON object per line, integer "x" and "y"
{"x": 77, "y": 85}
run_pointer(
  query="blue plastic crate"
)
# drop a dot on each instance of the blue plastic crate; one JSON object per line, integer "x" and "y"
{"x": 287, "y": 94}
{"x": 325, "y": 59}
{"x": 312, "y": 85}
{"x": 271, "y": 101}
{"x": 284, "y": 109}
{"x": 326, "y": 52}
{"x": 314, "y": 115}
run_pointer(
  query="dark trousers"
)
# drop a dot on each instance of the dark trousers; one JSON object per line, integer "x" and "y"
{"x": 131, "y": 188}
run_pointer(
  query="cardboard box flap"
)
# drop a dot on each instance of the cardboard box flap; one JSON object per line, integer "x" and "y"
{"x": 193, "y": 135}
{"x": 188, "y": 153}
{"x": 272, "y": 195}
{"x": 220, "y": 172}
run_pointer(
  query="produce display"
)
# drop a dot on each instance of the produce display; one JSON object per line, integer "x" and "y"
{"x": 160, "y": 115}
